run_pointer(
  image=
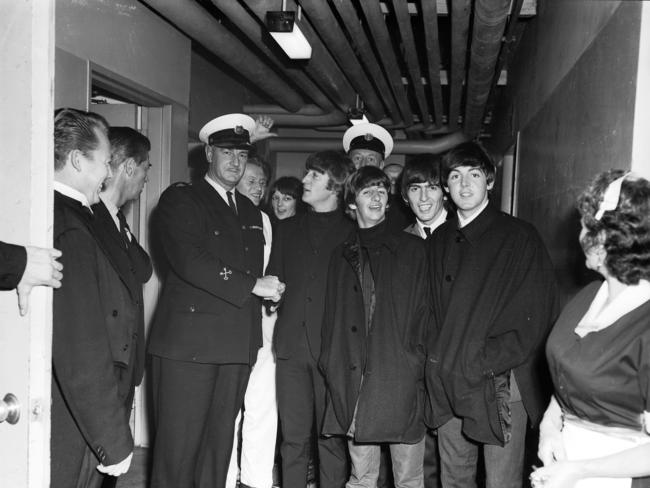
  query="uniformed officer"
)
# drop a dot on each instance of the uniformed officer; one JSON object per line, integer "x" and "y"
{"x": 367, "y": 145}
{"x": 207, "y": 328}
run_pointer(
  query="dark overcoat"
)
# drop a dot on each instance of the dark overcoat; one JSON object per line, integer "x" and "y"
{"x": 93, "y": 339}
{"x": 302, "y": 266}
{"x": 494, "y": 301}
{"x": 13, "y": 260}
{"x": 134, "y": 267}
{"x": 207, "y": 313}
{"x": 380, "y": 372}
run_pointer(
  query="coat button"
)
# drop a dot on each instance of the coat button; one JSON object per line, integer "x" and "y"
{"x": 126, "y": 346}
{"x": 448, "y": 278}
{"x": 216, "y": 232}
{"x": 309, "y": 299}
{"x": 353, "y": 368}
{"x": 459, "y": 239}
{"x": 114, "y": 313}
{"x": 353, "y": 328}
{"x": 246, "y": 248}
{"x": 192, "y": 308}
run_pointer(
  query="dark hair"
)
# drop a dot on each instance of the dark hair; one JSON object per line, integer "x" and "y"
{"x": 623, "y": 232}
{"x": 260, "y": 163}
{"x": 424, "y": 168}
{"x": 127, "y": 143}
{"x": 334, "y": 164}
{"x": 287, "y": 185}
{"x": 364, "y": 177}
{"x": 75, "y": 129}
{"x": 468, "y": 154}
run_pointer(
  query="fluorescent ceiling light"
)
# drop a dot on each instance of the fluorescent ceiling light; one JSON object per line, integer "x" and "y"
{"x": 287, "y": 34}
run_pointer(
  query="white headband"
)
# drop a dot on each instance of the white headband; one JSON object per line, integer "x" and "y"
{"x": 611, "y": 196}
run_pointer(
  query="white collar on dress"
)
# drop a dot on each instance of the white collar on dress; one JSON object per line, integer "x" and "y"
{"x": 600, "y": 316}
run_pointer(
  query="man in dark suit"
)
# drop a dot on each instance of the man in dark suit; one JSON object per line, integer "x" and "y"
{"x": 207, "y": 328}
{"x": 93, "y": 321}
{"x": 24, "y": 267}
{"x": 129, "y": 166}
{"x": 300, "y": 256}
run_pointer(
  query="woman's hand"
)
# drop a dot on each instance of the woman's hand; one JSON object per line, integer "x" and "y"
{"x": 562, "y": 474}
{"x": 551, "y": 445}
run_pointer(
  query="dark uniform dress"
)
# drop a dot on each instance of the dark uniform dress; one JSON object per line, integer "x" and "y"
{"x": 602, "y": 378}
{"x": 13, "y": 260}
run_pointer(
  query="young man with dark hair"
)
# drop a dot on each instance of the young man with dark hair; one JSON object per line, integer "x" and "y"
{"x": 422, "y": 192}
{"x": 493, "y": 304}
{"x": 374, "y": 335}
{"x": 300, "y": 255}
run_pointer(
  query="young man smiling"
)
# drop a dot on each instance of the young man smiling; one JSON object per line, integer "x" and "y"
{"x": 374, "y": 335}
{"x": 494, "y": 302}
{"x": 301, "y": 252}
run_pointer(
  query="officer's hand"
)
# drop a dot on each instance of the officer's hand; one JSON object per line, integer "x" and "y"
{"x": 116, "y": 469}
{"x": 269, "y": 287}
{"x": 42, "y": 268}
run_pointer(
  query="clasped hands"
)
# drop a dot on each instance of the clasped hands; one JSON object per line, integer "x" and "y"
{"x": 269, "y": 287}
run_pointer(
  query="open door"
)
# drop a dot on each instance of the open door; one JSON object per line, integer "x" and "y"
{"x": 26, "y": 165}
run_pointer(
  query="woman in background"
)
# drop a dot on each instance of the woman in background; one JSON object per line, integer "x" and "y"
{"x": 285, "y": 198}
{"x": 596, "y": 430}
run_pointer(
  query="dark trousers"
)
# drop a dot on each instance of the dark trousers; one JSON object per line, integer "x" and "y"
{"x": 300, "y": 392}
{"x": 194, "y": 407}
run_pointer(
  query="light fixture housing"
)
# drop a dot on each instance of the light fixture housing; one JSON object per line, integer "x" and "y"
{"x": 283, "y": 28}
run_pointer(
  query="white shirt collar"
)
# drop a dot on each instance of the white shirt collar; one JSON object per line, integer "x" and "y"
{"x": 462, "y": 222}
{"x": 442, "y": 216}
{"x": 112, "y": 209}
{"x": 600, "y": 316}
{"x": 220, "y": 189}
{"x": 73, "y": 193}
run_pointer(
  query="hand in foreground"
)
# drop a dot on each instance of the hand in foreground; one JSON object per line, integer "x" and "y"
{"x": 42, "y": 269}
{"x": 269, "y": 287}
{"x": 262, "y": 129}
{"x": 116, "y": 469}
{"x": 551, "y": 445}
{"x": 561, "y": 474}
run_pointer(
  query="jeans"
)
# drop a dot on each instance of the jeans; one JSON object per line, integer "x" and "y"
{"x": 407, "y": 462}
{"x": 503, "y": 465}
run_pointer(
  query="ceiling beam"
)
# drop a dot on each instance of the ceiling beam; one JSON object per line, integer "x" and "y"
{"x": 432, "y": 48}
{"x": 529, "y": 7}
{"x": 460, "y": 14}
{"x": 409, "y": 52}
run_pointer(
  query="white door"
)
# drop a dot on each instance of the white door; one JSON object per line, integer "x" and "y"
{"x": 26, "y": 167}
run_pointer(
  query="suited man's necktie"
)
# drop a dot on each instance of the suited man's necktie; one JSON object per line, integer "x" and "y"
{"x": 124, "y": 228}
{"x": 231, "y": 202}
{"x": 427, "y": 231}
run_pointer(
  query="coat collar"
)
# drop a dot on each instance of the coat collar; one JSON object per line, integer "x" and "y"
{"x": 480, "y": 225}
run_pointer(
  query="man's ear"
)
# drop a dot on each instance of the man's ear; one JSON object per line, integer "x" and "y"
{"x": 129, "y": 166}
{"x": 490, "y": 185}
{"x": 74, "y": 158}
{"x": 208, "y": 153}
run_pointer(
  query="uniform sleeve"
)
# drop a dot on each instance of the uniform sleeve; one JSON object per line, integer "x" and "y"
{"x": 530, "y": 307}
{"x": 13, "y": 260}
{"x": 181, "y": 229}
{"x": 81, "y": 352}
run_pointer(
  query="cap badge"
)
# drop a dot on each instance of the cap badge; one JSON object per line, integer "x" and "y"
{"x": 239, "y": 130}
{"x": 368, "y": 137}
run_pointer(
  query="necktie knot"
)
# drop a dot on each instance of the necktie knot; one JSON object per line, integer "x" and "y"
{"x": 427, "y": 231}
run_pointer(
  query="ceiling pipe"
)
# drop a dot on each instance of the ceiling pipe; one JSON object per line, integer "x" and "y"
{"x": 201, "y": 26}
{"x": 321, "y": 68}
{"x": 435, "y": 146}
{"x": 321, "y": 16}
{"x": 489, "y": 24}
{"x": 377, "y": 25}
{"x": 240, "y": 17}
{"x": 400, "y": 7}
{"x": 348, "y": 14}
{"x": 460, "y": 12}
{"x": 430, "y": 21}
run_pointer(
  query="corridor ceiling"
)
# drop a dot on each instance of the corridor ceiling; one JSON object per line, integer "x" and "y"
{"x": 428, "y": 68}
